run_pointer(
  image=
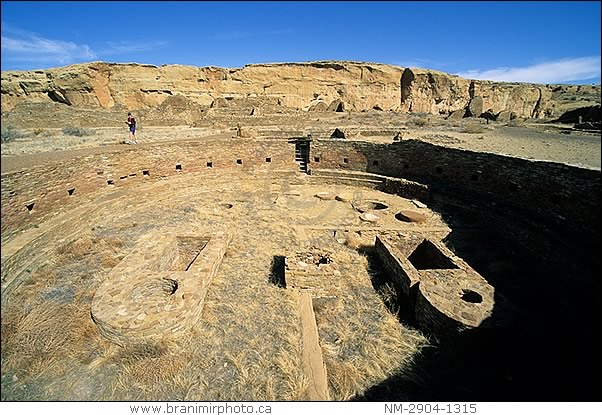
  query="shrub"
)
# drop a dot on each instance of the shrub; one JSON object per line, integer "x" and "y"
{"x": 10, "y": 133}
{"x": 42, "y": 132}
{"x": 419, "y": 122}
{"x": 78, "y": 132}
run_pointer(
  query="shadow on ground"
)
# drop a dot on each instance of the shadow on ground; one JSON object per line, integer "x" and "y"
{"x": 545, "y": 337}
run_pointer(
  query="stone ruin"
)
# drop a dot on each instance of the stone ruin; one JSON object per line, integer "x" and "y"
{"x": 447, "y": 295}
{"x": 312, "y": 275}
{"x": 160, "y": 287}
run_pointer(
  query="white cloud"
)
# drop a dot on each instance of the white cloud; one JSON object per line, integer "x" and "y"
{"x": 26, "y": 50}
{"x": 21, "y": 46}
{"x": 413, "y": 63}
{"x": 564, "y": 70}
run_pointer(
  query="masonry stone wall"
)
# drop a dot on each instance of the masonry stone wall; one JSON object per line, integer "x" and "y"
{"x": 446, "y": 295}
{"x": 58, "y": 185}
{"x": 148, "y": 296}
{"x": 542, "y": 191}
{"x": 556, "y": 191}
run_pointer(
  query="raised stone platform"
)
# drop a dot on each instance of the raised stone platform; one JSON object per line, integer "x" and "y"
{"x": 160, "y": 287}
{"x": 315, "y": 271}
{"x": 448, "y": 296}
{"x": 312, "y": 274}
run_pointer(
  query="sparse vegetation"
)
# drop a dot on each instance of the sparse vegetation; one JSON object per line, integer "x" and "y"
{"x": 78, "y": 132}
{"x": 419, "y": 122}
{"x": 248, "y": 344}
{"x": 11, "y": 133}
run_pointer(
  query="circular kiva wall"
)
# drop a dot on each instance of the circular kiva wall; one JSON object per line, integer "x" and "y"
{"x": 545, "y": 191}
{"x": 565, "y": 194}
{"x": 510, "y": 191}
{"x": 151, "y": 295}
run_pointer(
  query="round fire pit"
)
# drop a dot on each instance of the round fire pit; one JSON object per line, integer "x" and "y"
{"x": 363, "y": 206}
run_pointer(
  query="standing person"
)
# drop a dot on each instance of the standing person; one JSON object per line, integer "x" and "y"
{"x": 132, "y": 123}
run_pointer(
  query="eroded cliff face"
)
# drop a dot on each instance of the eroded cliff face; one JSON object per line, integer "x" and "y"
{"x": 311, "y": 86}
{"x": 358, "y": 86}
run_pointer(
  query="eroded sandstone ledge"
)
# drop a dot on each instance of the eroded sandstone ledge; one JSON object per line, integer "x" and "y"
{"x": 309, "y": 86}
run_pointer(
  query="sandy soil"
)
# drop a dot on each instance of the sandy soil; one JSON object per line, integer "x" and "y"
{"x": 548, "y": 142}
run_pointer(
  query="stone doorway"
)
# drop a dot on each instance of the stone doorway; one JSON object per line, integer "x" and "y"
{"x": 302, "y": 153}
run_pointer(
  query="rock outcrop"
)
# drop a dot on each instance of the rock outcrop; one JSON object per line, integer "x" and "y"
{"x": 176, "y": 91}
{"x": 339, "y": 86}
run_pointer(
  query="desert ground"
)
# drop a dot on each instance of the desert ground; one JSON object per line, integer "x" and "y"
{"x": 248, "y": 344}
{"x": 535, "y": 140}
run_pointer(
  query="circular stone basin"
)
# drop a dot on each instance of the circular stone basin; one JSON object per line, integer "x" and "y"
{"x": 154, "y": 289}
{"x": 368, "y": 205}
{"x": 369, "y": 217}
{"x": 344, "y": 198}
{"x": 410, "y": 216}
{"x": 325, "y": 195}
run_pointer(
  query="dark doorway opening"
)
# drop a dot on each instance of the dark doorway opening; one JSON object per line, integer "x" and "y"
{"x": 302, "y": 154}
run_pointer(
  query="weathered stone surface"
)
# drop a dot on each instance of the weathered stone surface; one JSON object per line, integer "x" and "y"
{"x": 325, "y": 195}
{"x": 319, "y": 106}
{"x": 369, "y": 217}
{"x": 475, "y": 107}
{"x": 184, "y": 91}
{"x": 337, "y": 106}
{"x": 505, "y": 116}
{"x": 338, "y": 133}
{"x": 451, "y": 295}
{"x": 363, "y": 205}
{"x": 436, "y": 92}
{"x": 456, "y": 115}
{"x": 149, "y": 297}
{"x": 314, "y": 270}
{"x": 410, "y": 216}
{"x": 343, "y": 197}
{"x": 418, "y": 204}
{"x": 338, "y": 85}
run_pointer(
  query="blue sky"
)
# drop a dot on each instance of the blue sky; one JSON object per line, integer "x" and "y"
{"x": 543, "y": 42}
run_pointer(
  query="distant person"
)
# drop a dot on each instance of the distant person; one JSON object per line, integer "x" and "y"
{"x": 132, "y": 123}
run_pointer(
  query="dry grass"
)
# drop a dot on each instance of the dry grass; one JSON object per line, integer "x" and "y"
{"x": 38, "y": 343}
{"x": 362, "y": 341}
{"x": 419, "y": 122}
{"x": 247, "y": 345}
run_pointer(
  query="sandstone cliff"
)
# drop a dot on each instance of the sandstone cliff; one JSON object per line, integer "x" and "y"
{"x": 359, "y": 86}
{"x": 311, "y": 86}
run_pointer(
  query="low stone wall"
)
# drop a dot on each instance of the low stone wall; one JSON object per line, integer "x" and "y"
{"x": 404, "y": 277}
{"x": 446, "y": 294}
{"x": 160, "y": 287}
{"x": 541, "y": 188}
{"x": 314, "y": 271}
{"x": 392, "y": 185}
{"x": 32, "y": 195}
